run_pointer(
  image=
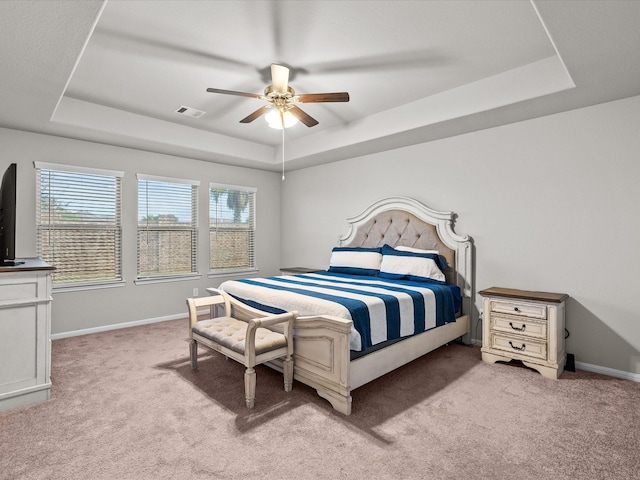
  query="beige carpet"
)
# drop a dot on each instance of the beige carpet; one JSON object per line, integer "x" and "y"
{"x": 125, "y": 405}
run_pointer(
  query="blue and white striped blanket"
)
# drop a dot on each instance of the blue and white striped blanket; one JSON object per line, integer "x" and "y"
{"x": 380, "y": 309}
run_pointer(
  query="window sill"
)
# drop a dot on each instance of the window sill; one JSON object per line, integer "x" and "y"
{"x": 232, "y": 273}
{"x": 165, "y": 279}
{"x": 81, "y": 287}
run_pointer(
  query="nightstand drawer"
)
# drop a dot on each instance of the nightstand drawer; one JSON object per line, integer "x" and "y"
{"x": 519, "y": 346}
{"x": 519, "y": 326}
{"x": 533, "y": 310}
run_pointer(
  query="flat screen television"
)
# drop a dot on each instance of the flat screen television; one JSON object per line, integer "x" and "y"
{"x": 8, "y": 217}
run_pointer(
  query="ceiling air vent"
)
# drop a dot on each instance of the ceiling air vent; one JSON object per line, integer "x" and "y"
{"x": 190, "y": 112}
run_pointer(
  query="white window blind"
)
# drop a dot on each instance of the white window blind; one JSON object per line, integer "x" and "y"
{"x": 167, "y": 227}
{"x": 232, "y": 213}
{"x": 79, "y": 223}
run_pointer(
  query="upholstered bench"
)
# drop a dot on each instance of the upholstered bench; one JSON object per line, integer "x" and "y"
{"x": 249, "y": 343}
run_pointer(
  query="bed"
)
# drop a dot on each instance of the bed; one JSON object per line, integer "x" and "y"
{"x": 331, "y": 351}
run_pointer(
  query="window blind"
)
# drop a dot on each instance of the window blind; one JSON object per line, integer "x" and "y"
{"x": 167, "y": 227}
{"x": 232, "y": 212}
{"x": 79, "y": 223}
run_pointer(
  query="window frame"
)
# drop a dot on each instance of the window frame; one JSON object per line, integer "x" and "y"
{"x": 193, "y": 228}
{"x": 116, "y": 226}
{"x": 252, "y": 267}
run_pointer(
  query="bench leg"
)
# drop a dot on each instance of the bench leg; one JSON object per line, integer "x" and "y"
{"x": 250, "y": 386}
{"x": 193, "y": 354}
{"x": 288, "y": 373}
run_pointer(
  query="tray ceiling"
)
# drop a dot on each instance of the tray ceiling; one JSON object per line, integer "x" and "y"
{"x": 415, "y": 71}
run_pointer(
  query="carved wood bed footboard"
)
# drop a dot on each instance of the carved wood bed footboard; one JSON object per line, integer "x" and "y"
{"x": 321, "y": 354}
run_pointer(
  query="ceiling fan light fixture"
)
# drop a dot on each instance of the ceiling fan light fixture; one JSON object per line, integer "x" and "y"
{"x": 275, "y": 121}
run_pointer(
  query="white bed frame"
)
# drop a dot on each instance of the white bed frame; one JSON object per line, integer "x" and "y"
{"x": 321, "y": 343}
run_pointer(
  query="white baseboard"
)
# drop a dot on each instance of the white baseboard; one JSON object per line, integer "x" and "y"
{"x": 612, "y": 372}
{"x": 117, "y": 326}
{"x": 588, "y": 367}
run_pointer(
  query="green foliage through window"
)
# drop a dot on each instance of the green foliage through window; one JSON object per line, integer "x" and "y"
{"x": 231, "y": 228}
{"x": 167, "y": 227}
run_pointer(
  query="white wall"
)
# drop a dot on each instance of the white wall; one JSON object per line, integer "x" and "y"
{"x": 553, "y": 204}
{"x": 91, "y": 309}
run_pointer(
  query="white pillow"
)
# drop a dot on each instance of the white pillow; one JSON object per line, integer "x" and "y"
{"x": 356, "y": 261}
{"x": 414, "y": 268}
{"x": 415, "y": 250}
{"x": 410, "y": 265}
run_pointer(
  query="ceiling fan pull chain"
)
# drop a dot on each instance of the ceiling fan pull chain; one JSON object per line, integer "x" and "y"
{"x": 283, "y": 154}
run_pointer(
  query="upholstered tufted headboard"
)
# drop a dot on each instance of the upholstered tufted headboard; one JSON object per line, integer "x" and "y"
{"x": 403, "y": 221}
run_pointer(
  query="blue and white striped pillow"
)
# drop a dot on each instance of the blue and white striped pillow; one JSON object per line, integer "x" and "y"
{"x": 355, "y": 260}
{"x": 406, "y": 265}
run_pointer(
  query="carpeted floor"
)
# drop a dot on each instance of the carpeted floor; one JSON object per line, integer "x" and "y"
{"x": 125, "y": 405}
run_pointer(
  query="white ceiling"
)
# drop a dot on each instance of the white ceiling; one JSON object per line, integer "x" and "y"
{"x": 115, "y": 72}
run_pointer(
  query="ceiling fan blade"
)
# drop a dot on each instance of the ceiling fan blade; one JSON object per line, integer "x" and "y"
{"x": 279, "y": 77}
{"x": 257, "y": 114}
{"x": 411, "y": 59}
{"x": 232, "y": 92}
{"x": 143, "y": 45}
{"x": 304, "y": 117}
{"x": 323, "y": 97}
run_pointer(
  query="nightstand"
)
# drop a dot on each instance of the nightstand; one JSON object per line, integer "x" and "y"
{"x": 296, "y": 270}
{"x": 526, "y": 326}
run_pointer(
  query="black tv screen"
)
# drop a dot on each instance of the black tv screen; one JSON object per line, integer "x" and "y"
{"x": 8, "y": 217}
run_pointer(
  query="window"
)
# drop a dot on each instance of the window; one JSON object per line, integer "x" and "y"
{"x": 167, "y": 227}
{"x": 232, "y": 213}
{"x": 79, "y": 224}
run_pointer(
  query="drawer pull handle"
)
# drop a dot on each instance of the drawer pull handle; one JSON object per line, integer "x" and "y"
{"x": 517, "y": 348}
{"x": 516, "y": 309}
{"x": 520, "y": 329}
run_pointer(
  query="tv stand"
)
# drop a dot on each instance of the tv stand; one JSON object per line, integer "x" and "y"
{"x": 25, "y": 327}
{"x": 11, "y": 263}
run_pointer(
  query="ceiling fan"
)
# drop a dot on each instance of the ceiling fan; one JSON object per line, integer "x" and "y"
{"x": 282, "y": 99}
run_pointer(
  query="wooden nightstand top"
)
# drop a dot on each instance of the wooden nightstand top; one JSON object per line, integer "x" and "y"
{"x": 300, "y": 269}
{"x": 524, "y": 294}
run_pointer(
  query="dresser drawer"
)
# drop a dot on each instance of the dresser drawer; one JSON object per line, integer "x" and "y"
{"x": 532, "y": 310}
{"x": 519, "y": 346}
{"x": 519, "y": 325}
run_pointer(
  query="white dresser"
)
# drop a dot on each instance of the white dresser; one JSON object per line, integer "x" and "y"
{"x": 526, "y": 326}
{"x": 25, "y": 326}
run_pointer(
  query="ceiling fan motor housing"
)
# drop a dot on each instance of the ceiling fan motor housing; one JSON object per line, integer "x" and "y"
{"x": 271, "y": 93}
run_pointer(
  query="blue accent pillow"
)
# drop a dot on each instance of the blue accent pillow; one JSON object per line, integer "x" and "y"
{"x": 355, "y": 260}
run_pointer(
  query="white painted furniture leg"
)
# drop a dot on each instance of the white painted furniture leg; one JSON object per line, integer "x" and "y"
{"x": 193, "y": 354}
{"x": 250, "y": 387}
{"x": 288, "y": 373}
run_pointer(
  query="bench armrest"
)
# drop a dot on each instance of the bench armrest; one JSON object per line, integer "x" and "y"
{"x": 255, "y": 323}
